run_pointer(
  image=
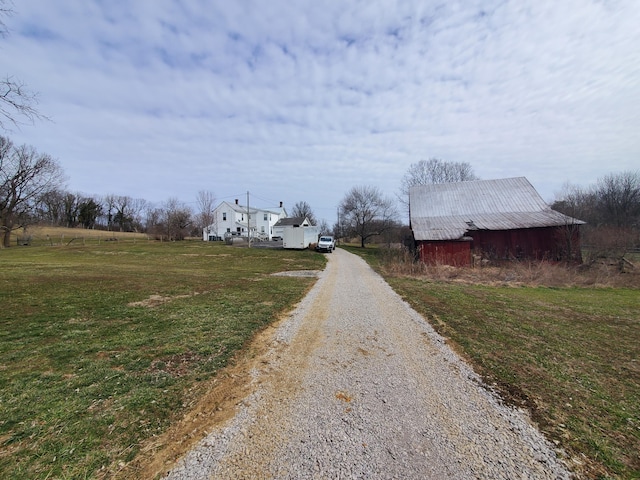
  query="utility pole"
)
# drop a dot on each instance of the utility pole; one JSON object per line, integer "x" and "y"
{"x": 339, "y": 227}
{"x": 248, "y": 221}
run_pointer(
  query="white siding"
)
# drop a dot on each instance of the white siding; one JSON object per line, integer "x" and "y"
{"x": 236, "y": 218}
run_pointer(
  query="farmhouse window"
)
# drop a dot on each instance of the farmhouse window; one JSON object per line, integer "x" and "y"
{"x": 265, "y": 217}
{"x": 224, "y": 216}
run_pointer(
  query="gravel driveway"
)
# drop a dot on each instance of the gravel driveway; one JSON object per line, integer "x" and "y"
{"x": 356, "y": 384}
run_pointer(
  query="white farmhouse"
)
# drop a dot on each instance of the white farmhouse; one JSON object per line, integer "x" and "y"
{"x": 233, "y": 218}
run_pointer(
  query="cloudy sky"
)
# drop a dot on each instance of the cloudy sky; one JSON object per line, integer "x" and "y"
{"x": 302, "y": 100}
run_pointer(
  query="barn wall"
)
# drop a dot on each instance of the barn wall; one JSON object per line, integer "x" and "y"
{"x": 446, "y": 253}
{"x": 552, "y": 243}
{"x": 530, "y": 243}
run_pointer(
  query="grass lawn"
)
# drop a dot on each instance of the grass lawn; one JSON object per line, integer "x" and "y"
{"x": 103, "y": 345}
{"x": 571, "y": 356}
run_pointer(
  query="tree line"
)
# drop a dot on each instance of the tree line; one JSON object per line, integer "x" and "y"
{"x": 613, "y": 201}
{"x": 32, "y": 192}
{"x": 611, "y": 208}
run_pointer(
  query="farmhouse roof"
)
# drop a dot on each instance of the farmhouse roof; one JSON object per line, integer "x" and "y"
{"x": 295, "y": 221}
{"x": 447, "y": 211}
{"x": 238, "y": 207}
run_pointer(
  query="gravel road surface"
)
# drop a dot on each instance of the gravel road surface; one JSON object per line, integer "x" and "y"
{"x": 356, "y": 384}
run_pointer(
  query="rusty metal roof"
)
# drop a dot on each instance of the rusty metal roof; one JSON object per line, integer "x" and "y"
{"x": 447, "y": 211}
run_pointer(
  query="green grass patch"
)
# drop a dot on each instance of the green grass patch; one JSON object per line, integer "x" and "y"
{"x": 569, "y": 355}
{"x": 103, "y": 345}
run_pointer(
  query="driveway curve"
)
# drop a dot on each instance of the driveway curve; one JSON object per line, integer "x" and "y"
{"x": 356, "y": 384}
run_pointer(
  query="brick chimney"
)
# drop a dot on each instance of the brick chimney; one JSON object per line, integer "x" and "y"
{"x": 280, "y": 204}
{"x": 236, "y": 201}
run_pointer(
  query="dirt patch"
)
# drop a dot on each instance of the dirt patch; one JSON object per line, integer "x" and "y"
{"x": 297, "y": 273}
{"x": 155, "y": 300}
{"x": 216, "y": 406}
{"x": 179, "y": 365}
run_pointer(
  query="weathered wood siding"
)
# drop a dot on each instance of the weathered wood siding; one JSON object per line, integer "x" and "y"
{"x": 445, "y": 253}
{"x": 548, "y": 243}
{"x": 551, "y": 243}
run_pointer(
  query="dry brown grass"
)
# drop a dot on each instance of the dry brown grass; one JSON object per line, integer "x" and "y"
{"x": 39, "y": 235}
{"x": 600, "y": 273}
{"x": 42, "y": 230}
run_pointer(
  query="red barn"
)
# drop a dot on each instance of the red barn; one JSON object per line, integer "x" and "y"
{"x": 491, "y": 219}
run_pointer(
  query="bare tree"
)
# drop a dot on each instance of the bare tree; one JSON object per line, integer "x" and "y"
{"x": 25, "y": 175}
{"x": 5, "y": 11}
{"x": 303, "y": 209}
{"x": 611, "y": 208}
{"x": 125, "y": 212}
{"x": 154, "y": 218}
{"x": 575, "y": 202}
{"x": 365, "y": 213}
{"x": 178, "y": 218}
{"x": 206, "y": 202}
{"x": 16, "y": 101}
{"x": 50, "y": 207}
{"x": 619, "y": 198}
{"x": 324, "y": 227}
{"x": 434, "y": 170}
{"x": 123, "y": 216}
{"x": 613, "y": 201}
{"x": 71, "y": 204}
{"x": 109, "y": 203}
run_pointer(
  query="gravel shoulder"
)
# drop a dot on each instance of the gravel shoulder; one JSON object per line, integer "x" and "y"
{"x": 356, "y": 384}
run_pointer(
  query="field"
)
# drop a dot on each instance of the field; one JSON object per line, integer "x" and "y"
{"x": 103, "y": 344}
{"x": 59, "y": 236}
{"x": 570, "y": 355}
{"x": 108, "y": 339}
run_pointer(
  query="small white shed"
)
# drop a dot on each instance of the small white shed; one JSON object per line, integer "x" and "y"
{"x": 297, "y": 232}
